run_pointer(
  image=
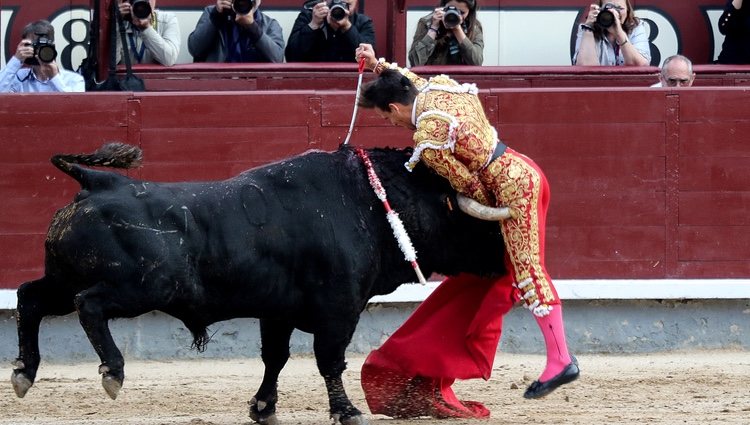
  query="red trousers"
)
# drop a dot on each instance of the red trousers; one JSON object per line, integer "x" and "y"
{"x": 518, "y": 183}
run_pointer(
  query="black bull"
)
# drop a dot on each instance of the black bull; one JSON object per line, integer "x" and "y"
{"x": 302, "y": 243}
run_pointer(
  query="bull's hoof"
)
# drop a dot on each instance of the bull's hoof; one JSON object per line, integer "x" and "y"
{"x": 111, "y": 385}
{"x": 256, "y": 413}
{"x": 21, "y": 383}
{"x": 351, "y": 420}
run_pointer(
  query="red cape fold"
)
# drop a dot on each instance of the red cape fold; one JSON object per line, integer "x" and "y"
{"x": 452, "y": 335}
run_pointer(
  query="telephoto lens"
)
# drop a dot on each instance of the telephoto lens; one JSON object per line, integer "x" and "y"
{"x": 243, "y": 7}
{"x": 452, "y": 17}
{"x": 338, "y": 9}
{"x": 44, "y": 50}
{"x": 141, "y": 8}
{"x": 606, "y": 17}
{"x": 47, "y": 53}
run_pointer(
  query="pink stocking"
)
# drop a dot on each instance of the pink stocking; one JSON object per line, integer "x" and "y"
{"x": 553, "y": 330}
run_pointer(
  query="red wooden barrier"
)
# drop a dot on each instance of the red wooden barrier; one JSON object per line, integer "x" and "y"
{"x": 327, "y": 76}
{"x": 646, "y": 183}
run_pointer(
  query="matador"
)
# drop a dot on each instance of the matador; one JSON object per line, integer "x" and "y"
{"x": 453, "y": 136}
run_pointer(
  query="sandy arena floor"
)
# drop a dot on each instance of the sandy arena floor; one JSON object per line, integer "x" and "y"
{"x": 678, "y": 388}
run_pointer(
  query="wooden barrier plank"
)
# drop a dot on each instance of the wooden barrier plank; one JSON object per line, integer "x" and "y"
{"x": 43, "y": 181}
{"x": 592, "y": 269}
{"x": 36, "y": 145}
{"x": 27, "y": 215}
{"x": 85, "y": 109}
{"x": 724, "y": 104}
{"x": 191, "y": 172}
{"x": 27, "y": 264}
{"x": 610, "y": 208}
{"x": 716, "y": 138}
{"x": 606, "y": 251}
{"x": 715, "y": 208}
{"x": 604, "y": 175}
{"x": 222, "y": 110}
{"x": 216, "y": 145}
{"x": 712, "y": 270}
{"x": 714, "y": 243}
{"x": 591, "y": 106}
{"x": 714, "y": 173}
{"x": 343, "y": 76}
{"x": 581, "y": 140}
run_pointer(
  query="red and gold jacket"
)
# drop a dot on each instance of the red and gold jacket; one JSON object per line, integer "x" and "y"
{"x": 453, "y": 135}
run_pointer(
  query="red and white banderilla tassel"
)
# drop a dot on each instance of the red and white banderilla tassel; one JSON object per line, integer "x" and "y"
{"x": 399, "y": 231}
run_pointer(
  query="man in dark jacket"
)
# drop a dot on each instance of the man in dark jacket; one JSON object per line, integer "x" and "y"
{"x": 328, "y": 31}
{"x": 734, "y": 23}
{"x": 225, "y": 34}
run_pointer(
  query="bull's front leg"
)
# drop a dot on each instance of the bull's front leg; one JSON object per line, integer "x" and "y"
{"x": 329, "y": 354}
{"x": 36, "y": 300}
{"x": 274, "y": 349}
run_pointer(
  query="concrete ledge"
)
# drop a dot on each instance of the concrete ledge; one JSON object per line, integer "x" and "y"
{"x": 570, "y": 289}
{"x": 592, "y": 326}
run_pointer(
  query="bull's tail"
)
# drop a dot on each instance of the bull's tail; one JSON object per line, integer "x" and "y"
{"x": 115, "y": 155}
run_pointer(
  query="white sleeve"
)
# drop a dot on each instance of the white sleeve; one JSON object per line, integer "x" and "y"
{"x": 165, "y": 44}
{"x": 8, "y": 76}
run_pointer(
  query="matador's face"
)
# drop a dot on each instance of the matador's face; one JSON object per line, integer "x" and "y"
{"x": 398, "y": 114}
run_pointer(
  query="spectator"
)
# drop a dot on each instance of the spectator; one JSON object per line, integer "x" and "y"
{"x": 224, "y": 35}
{"x": 612, "y": 35}
{"x": 317, "y": 36}
{"x": 28, "y": 71}
{"x": 734, "y": 23}
{"x": 152, "y": 38}
{"x": 449, "y": 38}
{"x": 677, "y": 71}
{"x": 453, "y": 136}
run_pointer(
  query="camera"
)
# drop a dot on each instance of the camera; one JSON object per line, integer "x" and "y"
{"x": 338, "y": 9}
{"x": 243, "y": 7}
{"x": 141, "y": 9}
{"x": 44, "y": 49}
{"x": 606, "y": 18}
{"x": 452, "y": 17}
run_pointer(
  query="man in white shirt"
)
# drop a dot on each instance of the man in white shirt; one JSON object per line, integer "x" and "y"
{"x": 28, "y": 71}
{"x": 153, "y": 38}
{"x": 676, "y": 71}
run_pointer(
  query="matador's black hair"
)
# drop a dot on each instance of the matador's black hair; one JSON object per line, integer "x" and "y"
{"x": 390, "y": 87}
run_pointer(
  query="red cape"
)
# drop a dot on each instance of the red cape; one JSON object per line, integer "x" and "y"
{"x": 452, "y": 335}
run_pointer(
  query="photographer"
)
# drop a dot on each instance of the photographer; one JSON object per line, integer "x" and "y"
{"x": 450, "y": 35}
{"x": 153, "y": 35}
{"x": 236, "y": 31}
{"x": 328, "y": 31}
{"x": 33, "y": 68}
{"x": 612, "y": 36}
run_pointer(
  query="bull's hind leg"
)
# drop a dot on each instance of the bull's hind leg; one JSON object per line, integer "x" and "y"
{"x": 96, "y": 306}
{"x": 274, "y": 336}
{"x": 330, "y": 346}
{"x": 36, "y": 300}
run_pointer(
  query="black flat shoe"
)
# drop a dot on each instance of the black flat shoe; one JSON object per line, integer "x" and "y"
{"x": 540, "y": 389}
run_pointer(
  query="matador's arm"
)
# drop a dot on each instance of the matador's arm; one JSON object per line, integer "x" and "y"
{"x": 434, "y": 146}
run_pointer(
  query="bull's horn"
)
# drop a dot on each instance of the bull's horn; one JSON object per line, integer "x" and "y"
{"x": 482, "y": 212}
